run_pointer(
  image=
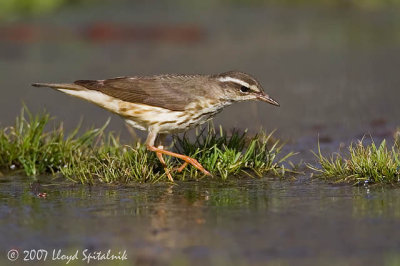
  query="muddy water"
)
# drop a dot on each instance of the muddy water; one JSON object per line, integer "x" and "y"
{"x": 237, "y": 223}
{"x": 334, "y": 72}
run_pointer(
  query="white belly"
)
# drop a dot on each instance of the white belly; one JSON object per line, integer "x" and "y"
{"x": 167, "y": 121}
{"x": 145, "y": 117}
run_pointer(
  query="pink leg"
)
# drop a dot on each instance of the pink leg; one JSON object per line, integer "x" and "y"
{"x": 180, "y": 169}
{"x": 187, "y": 159}
{"x": 167, "y": 172}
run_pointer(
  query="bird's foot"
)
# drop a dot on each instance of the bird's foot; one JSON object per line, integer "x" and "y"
{"x": 167, "y": 172}
{"x": 187, "y": 159}
{"x": 180, "y": 168}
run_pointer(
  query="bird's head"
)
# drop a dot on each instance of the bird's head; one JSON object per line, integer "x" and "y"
{"x": 239, "y": 86}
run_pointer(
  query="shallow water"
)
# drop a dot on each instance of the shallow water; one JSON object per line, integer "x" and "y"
{"x": 236, "y": 223}
{"x": 334, "y": 72}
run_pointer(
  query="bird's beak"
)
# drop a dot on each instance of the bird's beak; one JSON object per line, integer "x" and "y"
{"x": 265, "y": 98}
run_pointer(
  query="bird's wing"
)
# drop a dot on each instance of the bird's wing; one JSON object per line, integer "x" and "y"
{"x": 171, "y": 92}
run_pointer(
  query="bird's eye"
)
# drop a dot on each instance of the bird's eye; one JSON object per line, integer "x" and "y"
{"x": 244, "y": 89}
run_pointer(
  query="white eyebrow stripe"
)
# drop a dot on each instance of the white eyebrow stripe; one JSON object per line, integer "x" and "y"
{"x": 238, "y": 81}
{"x": 254, "y": 88}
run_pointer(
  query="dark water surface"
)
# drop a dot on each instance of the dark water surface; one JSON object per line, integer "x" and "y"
{"x": 247, "y": 221}
{"x": 334, "y": 72}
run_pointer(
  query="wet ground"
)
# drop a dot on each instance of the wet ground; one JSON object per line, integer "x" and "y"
{"x": 335, "y": 73}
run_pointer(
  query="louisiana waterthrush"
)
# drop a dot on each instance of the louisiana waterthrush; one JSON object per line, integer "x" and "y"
{"x": 164, "y": 104}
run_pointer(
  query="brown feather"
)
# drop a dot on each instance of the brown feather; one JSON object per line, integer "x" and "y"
{"x": 162, "y": 91}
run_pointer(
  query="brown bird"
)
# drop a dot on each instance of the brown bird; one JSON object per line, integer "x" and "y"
{"x": 165, "y": 104}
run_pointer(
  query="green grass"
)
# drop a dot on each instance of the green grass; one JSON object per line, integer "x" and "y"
{"x": 36, "y": 145}
{"x": 225, "y": 155}
{"x": 28, "y": 147}
{"x": 362, "y": 164}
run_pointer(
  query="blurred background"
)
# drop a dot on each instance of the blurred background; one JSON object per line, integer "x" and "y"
{"x": 332, "y": 64}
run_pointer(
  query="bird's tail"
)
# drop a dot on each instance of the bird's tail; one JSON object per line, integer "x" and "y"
{"x": 63, "y": 86}
{"x": 81, "y": 92}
